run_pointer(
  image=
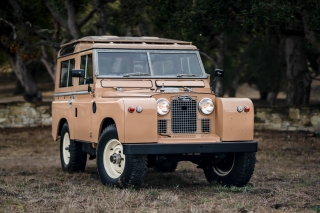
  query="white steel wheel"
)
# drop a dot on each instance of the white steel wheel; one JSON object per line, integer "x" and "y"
{"x": 113, "y": 158}
{"x": 224, "y": 167}
{"x": 115, "y": 168}
{"x": 65, "y": 148}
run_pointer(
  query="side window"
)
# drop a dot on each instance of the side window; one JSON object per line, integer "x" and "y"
{"x": 65, "y": 73}
{"x": 86, "y": 65}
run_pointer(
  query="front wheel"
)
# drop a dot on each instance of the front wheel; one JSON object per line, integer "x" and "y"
{"x": 115, "y": 168}
{"x": 235, "y": 169}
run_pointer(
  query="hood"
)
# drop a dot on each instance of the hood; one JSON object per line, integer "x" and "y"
{"x": 128, "y": 94}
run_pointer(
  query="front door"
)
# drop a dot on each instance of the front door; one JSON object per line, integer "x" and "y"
{"x": 83, "y": 101}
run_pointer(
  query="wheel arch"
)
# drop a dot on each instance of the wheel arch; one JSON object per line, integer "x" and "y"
{"x": 105, "y": 123}
{"x": 60, "y": 125}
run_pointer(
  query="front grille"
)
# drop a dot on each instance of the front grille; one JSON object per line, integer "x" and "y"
{"x": 162, "y": 126}
{"x": 205, "y": 125}
{"x": 184, "y": 116}
{"x": 184, "y": 122}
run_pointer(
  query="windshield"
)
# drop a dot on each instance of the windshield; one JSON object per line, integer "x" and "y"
{"x": 175, "y": 64}
{"x": 123, "y": 63}
{"x": 149, "y": 63}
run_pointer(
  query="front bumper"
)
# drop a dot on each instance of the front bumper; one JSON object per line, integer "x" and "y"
{"x": 217, "y": 147}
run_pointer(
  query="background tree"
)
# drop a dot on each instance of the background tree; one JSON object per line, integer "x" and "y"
{"x": 252, "y": 40}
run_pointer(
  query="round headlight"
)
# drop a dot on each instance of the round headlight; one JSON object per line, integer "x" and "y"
{"x": 163, "y": 106}
{"x": 206, "y": 106}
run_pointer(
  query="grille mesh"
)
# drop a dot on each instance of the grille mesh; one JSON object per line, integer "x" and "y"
{"x": 162, "y": 126}
{"x": 184, "y": 116}
{"x": 205, "y": 125}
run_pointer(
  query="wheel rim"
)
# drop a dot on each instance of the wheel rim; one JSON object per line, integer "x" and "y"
{"x": 113, "y": 158}
{"x": 65, "y": 148}
{"x": 225, "y": 166}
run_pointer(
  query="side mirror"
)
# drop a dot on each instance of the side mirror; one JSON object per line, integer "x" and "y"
{"x": 218, "y": 73}
{"x": 77, "y": 73}
{"x": 80, "y": 74}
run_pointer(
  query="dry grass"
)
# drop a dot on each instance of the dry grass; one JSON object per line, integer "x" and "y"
{"x": 286, "y": 179}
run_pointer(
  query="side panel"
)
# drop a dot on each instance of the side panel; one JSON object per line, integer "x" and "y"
{"x": 108, "y": 108}
{"x": 60, "y": 110}
{"x": 232, "y": 125}
{"x": 141, "y": 127}
{"x": 82, "y": 107}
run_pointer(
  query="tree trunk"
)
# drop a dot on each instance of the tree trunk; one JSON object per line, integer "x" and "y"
{"x": 102, "y": 23}
{"x": 45, "y": 60}
{"x": 272, "y": 97}
{"x": 234, "y": 86}
{"x": 32, "y": 92}
{"x": 310, "y": 35}
{"x": 219, "y": 89}
{"x": 299, "y": 79}
{"x": 73, "y": 27}
{"x": 235, "y": 81}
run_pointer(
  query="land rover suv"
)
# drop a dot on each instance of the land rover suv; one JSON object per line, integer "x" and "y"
{"x": 134, "y": 103}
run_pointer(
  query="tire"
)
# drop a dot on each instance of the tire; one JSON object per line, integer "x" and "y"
{"x": 115, "y": 168}
{"x": 235, "y": 170}
{"x": 165, "y": 166}
{"x": 73, "y": 159}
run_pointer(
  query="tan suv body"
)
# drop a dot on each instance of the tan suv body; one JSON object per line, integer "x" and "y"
{"x": 138, "y": 102}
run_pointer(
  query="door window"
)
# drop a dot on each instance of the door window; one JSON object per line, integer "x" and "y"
{"x": 65, "y": 73}
{"x": 86, "y": 65}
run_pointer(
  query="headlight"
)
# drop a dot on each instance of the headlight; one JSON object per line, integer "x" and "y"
{"x": 206, "y": 106}
{"x": 163, "y": 106}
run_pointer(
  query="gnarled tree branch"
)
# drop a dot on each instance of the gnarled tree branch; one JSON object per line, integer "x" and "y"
{"x": 210, "y": 59}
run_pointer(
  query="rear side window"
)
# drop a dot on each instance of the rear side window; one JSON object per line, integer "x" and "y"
{"x": 65, "y": 73}
{"x": 86, "y": 65}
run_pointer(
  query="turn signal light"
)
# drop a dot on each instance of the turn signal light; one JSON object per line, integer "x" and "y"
{"x": 131, "y": 109}
{"x": 246, "y": 109}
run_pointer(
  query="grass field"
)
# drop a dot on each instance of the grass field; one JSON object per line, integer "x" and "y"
{"x": 286, "y": 179}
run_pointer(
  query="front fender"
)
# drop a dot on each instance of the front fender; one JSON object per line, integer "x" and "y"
{"x": 232, "y": 125}
{"x": 140, "y": 127}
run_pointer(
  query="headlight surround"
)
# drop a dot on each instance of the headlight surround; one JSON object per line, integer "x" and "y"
{"x": 163, "y": 106}
{"x": 206, "y": 106}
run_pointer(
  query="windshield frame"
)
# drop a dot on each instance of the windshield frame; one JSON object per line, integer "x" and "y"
{"x": 147, "y": 51}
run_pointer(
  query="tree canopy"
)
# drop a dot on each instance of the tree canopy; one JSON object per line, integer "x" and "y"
{"x": 254, "y": 41}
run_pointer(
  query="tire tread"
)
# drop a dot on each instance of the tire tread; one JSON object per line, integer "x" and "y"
{"x": 241, "y": 174}
{"x": 78, "y": 158}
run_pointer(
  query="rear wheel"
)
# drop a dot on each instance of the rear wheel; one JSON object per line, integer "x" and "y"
{"x": 235, "y": 169}
{"x": 115, "y": 168}
{"x": 73, "y": 159}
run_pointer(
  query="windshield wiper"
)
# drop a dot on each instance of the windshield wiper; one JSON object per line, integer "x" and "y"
{"x": 181, "y": 75}
{"x": 136, "y": 74}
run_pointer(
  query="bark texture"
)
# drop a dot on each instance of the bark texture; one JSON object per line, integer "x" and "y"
{"x": 310, "y": 35}
{"x": 219, "y": 88}
{"x": 236, "y": 78}
{"x": 299, "y": 79}
{"x": 69, "y": 24}
{"x": 102, "y": 23}
{"x": 25, "y": 77}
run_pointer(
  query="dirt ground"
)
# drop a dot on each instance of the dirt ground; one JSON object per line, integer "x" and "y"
{"x": 286, "y": 179}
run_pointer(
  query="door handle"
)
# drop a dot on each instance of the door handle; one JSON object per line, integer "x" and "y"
{"x": 70, "y": 101}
